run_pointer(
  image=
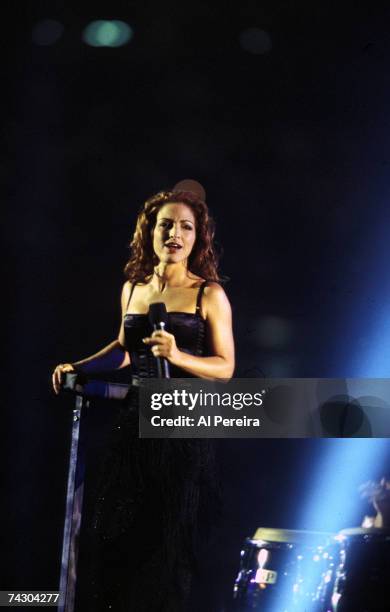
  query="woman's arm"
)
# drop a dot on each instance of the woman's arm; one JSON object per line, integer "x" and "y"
{"x": 112, "y": 357}
{"x": 220, "y": 365}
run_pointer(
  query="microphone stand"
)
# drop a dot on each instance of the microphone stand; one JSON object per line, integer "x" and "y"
{"x": 76, "y": 473}
{"x": 73, "y": 509}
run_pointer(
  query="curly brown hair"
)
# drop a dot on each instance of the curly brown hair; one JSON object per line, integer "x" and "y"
{"x": 203, "y": 260}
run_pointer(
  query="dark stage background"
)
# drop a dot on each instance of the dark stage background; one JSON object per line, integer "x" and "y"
{"x": 281, "y": 110}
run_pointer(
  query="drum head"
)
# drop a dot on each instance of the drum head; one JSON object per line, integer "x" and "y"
{"x": 291, "y": 536}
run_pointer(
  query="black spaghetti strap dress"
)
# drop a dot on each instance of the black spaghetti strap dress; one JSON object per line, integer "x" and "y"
{"x": 155, "y": 495}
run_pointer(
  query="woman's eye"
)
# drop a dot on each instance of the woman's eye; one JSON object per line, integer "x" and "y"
{"x": 188, "y": 227}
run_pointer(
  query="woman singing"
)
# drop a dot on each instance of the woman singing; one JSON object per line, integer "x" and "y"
{"x": 154, "y": 493}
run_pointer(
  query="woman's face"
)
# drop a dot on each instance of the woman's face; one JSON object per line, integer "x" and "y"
{"x": 175, "y": 233}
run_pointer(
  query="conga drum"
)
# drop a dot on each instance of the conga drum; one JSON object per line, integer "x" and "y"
{"x": 281, "y": 570}
{"x": 362, "y": 579}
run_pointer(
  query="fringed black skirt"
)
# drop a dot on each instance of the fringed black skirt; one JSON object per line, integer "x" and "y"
{"x": 154, "y": 499}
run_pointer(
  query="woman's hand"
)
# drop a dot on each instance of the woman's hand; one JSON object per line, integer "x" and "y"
{"x": 163, "y": 344}
{"x": 57, "y": 376}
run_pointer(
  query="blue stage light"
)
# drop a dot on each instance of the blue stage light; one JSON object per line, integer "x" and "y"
{"x": 332, "y": 503}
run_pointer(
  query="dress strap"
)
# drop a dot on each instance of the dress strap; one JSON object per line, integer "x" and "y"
{"x": 131, "y": 293}
{"x": 199, "y": 297}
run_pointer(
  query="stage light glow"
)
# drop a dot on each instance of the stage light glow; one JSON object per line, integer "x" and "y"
{"x": 373, "y": 358}
{"x": 334, "y": 497}
{"x": 362, "y": 349}
{"x": 47, "y": 32}
{"x": 103, "y": 33}
{"x": 332, "y": 501}
{"x": 256, "y": 41}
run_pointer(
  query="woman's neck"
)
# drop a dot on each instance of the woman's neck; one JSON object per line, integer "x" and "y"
{"x": 169, "y": 275}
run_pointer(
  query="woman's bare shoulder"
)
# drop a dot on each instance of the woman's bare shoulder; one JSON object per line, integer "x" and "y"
{"x": 215, "y": 296}
{"x": 213, "y": 288}
{"x": 125, "y": 294}
{"x": 194, "y": 281}
{"x": 128, "y": 285}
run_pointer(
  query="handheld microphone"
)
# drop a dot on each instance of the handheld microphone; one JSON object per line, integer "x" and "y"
{"x": 158, "y": 318}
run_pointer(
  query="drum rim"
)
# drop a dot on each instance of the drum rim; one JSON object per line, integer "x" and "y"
{"x": 289, "y": 536}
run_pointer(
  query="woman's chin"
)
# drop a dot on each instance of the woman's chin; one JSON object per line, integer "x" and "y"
{"x": 171, "y": 259}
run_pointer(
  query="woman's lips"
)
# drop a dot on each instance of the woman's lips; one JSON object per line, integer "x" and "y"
{"x": 172, "y": 247}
